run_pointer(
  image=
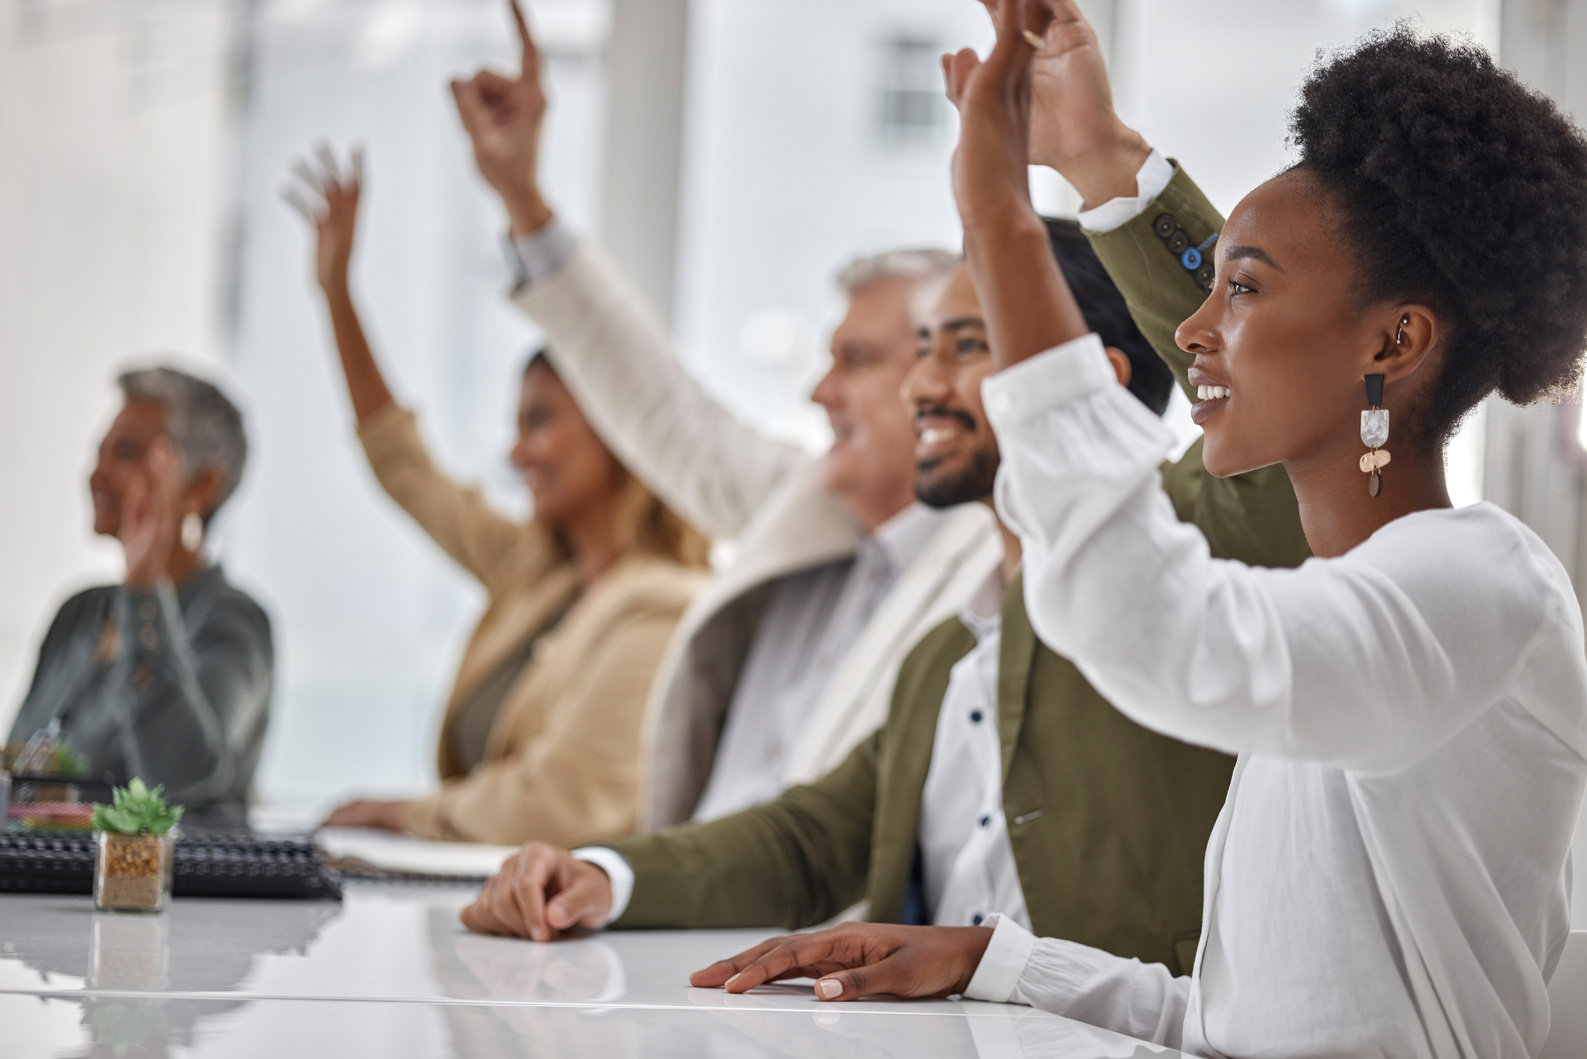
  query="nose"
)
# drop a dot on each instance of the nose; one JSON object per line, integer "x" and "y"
{"x": 1197, "y": 334}
{"x": 827, "y": 393}
{"x": 926, "y": 383}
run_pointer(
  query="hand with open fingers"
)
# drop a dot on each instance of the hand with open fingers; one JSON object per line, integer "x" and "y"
{"x": 503, "y": 117}
{"x": 151, "y": 516}
{"x": 541, "y": 893}
{"x": 991, "y": 182}
{"x": 857, "y": 960}
{"x": 327, "y": 197}
{"x": 1074, "y": 128}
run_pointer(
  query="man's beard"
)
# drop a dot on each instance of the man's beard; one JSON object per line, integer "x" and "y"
{"x": 939, "y": 489}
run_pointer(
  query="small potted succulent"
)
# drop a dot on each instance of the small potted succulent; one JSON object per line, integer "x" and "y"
{"x": 135, "y": 849}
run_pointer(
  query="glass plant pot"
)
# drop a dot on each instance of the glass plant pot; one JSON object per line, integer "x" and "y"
{"x": 132, "y": 873}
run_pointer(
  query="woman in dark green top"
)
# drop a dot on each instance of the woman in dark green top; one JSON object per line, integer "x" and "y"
{"x": 166, "y": 676}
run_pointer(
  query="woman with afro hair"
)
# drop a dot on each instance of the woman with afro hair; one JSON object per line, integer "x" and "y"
{"x": 1390, "y": 874}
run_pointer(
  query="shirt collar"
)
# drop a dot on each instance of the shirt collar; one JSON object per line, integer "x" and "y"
{"x": 903, "y": 537}
{"x": 982, "y": 613}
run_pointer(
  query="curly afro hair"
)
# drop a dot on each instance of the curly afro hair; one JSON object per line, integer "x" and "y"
{"x": 1462, "y": 188}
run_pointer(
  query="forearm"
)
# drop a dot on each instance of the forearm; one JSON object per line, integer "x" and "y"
{"x": 366, "y": 386}
{"x": 616, "y": 357}
{"x": 794, "y": 862}
{"x": 1027, "y": 304}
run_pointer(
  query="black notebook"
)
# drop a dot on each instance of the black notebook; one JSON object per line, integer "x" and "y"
{"x": 207, "y": 865}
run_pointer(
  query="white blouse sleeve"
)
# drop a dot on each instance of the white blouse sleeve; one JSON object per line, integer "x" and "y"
{"x": 1140, "y": 1000}
{"x": 1366, "y": 661}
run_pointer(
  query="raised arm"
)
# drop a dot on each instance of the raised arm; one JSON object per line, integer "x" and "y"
{"x": 609, "y": 346}
{"x": 454, "y": 516}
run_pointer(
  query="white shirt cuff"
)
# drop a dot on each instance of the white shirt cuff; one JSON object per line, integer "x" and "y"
{"x": 535, "y": 256}
{"x": 617, "y": 870}
{"x": 1064, "y": 373}
{"x": 1003, "y": 962}
{"x": 1150, "y": 180}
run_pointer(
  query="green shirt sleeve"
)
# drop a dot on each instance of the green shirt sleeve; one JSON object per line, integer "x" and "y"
{"x": 793, "y": 862}
{"x": 1251, "y": 517}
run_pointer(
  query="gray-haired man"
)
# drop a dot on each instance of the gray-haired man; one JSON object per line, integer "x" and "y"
{"x": 788, "y": 659}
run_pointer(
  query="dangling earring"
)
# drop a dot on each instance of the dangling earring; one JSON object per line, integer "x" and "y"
{"x": 1374, "y": 432}
{"x": 192, "y": 532}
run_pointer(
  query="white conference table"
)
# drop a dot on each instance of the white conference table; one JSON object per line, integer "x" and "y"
{"x": 390, "y": 972}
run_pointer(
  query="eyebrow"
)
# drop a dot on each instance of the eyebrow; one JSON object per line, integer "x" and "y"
{"x": 1234, "y": 253}
{"x": 960, "y": 323}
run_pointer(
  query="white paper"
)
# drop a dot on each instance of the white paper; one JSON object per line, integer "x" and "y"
{"x": 403, "y": 853}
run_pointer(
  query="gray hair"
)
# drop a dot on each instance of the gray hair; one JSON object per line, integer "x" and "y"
{"x": 926, "y": 270}
{"x": 205, "y": 427}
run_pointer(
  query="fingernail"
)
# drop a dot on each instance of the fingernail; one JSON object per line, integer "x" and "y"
{"x": 829, "y": 988}
{"x": 557, "y": 915}
{"x": 730, "y": 981}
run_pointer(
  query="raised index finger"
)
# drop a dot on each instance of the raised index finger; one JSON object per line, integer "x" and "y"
{"x": 531, "y": 54}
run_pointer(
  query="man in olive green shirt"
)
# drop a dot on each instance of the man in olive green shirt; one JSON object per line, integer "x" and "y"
{"x": 1097, "y": 826}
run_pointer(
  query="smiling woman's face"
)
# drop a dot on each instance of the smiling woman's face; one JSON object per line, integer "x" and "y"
{"x": 1283, "y": 333}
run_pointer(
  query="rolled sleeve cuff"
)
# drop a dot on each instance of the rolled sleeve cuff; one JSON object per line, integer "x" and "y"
{"x": 1065, "y": 373}
{"x": 1001, "y": 966}
{"x": 617, "y": 870}
{"x": 541, "y": 253}
{"x": 1150, "y": 180}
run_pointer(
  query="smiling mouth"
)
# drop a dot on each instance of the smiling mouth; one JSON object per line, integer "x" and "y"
{"x": 1210, "y": 400}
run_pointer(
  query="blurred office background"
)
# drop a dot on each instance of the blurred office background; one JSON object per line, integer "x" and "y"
{"x": 732, "y": 153}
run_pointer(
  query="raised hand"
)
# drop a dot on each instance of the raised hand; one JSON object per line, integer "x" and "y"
{"x": 503, "y": 118}
{"x": 151, "y": 515}
{"x": 1027, "y": 305}
{"x": 1074, "y": 128}
{"x": 858, "y": 959}
{"x": 540, "y": 893}
{"x": 327, "y": 197}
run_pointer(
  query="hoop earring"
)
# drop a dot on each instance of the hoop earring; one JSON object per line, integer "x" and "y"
{"x": 1374, "y": 432}
{"x": 192, "y": 532}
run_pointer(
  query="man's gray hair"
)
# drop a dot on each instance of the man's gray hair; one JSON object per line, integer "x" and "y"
{"x": 926, "y": 270}
{"x": 204, "y": 426}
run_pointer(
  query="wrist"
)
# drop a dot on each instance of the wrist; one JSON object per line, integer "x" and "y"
{"x": 1106, "y": 171}
{"x": 974, "y": 943}
{"x": 527, "y": 212}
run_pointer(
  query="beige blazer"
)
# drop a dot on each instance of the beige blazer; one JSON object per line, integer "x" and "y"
{"x": 734, "y": 483}
{"x": 562, "y": 758}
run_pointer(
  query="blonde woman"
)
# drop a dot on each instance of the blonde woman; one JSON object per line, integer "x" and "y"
{"x": 541, "y": 738}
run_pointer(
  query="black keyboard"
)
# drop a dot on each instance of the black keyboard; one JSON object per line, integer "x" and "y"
{"x": 207, "y": 865}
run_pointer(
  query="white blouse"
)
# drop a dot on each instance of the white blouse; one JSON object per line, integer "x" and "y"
{"x": 1390, "y": 873}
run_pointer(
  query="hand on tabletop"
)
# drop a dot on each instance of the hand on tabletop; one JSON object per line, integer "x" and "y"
{"x": 503, "y": 117}
{"x": 328, "y": 199}
{"x": 368, "y": 812}
{"x": 1074, "y": 128}
{"x": 540, "y": 893}
{"x": 151, "y": 515}
{"x": 859, "y": 959}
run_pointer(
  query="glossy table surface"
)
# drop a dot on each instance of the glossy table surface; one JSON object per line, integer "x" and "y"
{"x": 390, "y": 972}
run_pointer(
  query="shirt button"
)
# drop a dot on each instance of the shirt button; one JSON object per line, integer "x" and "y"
{"x": 148, "y": 637}
{"x": 1164, "y": 225}
{"x": 975, "y": 716}
{"x": 985, "y": 821}
{"x": 975, "y": 920}
{"x": 146, "y": 610}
